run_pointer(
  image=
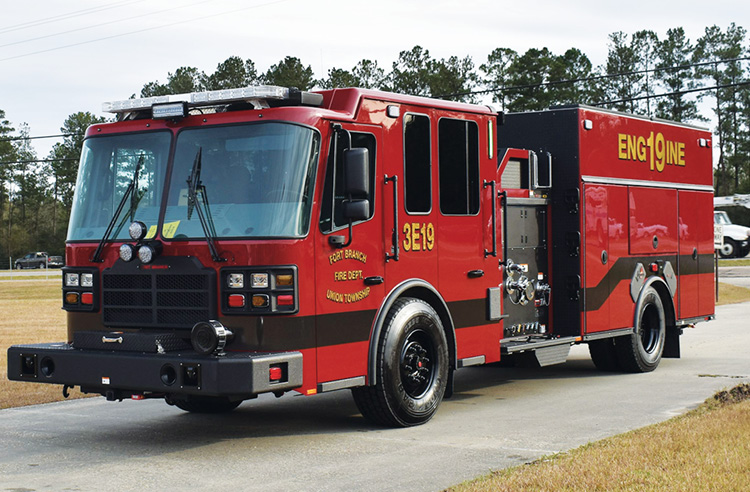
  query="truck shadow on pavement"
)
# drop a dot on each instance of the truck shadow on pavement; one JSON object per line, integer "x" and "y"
{"x": 151, "y": 428}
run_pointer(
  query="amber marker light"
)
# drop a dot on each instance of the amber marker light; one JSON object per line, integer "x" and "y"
{"x": 260, "y": 300}
{"x": 71, "y": 298}
{"x": 286, "y": 280}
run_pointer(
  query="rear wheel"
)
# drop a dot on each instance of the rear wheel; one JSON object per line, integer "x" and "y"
{"x": 642, "y": 351}
{"x": 412, "y": 367}
{"x": 207, "y": 404}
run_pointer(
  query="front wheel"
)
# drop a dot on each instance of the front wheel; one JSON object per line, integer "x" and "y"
{"x": 729, "y": 249}
{"x": 412, "y": 367}
{"x": 642, "y": 351}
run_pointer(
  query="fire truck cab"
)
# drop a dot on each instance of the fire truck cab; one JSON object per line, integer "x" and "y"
{"x": 230, "y": 243}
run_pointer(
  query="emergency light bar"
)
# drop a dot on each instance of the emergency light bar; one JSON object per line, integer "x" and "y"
{"x": 257, "y": 94}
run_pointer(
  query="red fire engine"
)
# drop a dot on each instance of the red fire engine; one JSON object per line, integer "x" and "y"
{"x": 231, "y": 243}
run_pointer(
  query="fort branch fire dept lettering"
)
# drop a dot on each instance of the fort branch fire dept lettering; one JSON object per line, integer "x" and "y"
{"x": 347, "y": 276}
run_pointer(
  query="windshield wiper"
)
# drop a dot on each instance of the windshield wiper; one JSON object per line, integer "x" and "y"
{"x": 194, "y": 185}
{"x": 132, "y": 191}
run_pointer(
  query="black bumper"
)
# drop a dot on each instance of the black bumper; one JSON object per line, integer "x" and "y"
{"x": 235, "y": 375}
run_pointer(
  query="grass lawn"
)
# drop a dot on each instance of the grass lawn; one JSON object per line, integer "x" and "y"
{"x": 30, "y": 312}
{"x": 706, "y": 449}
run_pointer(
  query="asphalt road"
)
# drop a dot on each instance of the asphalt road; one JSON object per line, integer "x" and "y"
{"x": 735, "y": 275}
{"x": 499, "y": 417}
{"x": 35, "y": 273}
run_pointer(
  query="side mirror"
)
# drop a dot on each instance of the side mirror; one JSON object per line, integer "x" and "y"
{"x": 357, "y": 172}
{"x": 356, "y": 209}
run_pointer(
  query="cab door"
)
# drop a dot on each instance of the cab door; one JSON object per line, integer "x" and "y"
{"x": 349, "y": 267}
{"x": 468, "y": 273}
{"x": 409, "y": 204}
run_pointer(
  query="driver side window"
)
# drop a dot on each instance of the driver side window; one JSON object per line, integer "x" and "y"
{"x": 331, "y": 214}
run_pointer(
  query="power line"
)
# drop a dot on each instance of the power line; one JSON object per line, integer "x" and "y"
{"x": 56, "y": 18}
{"x": 33, "y": 161}
{"x": 587, "y": 79}
{"x": 675, "y": 93}
{"x": 114, "y": 36}
{"x": 61, "y": 135}
{"x": 101, "y": 24}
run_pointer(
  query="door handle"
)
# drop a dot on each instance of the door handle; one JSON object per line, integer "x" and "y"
{"x": 475, "y": 273}
{"x": 374, "y": 280}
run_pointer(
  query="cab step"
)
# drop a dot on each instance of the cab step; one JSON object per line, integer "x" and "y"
{"x": 545, "y": 351}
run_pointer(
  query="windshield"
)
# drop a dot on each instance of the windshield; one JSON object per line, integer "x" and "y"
{"x": 106, "y": 169}
{"x": 721, "y": 218}
{"x": 255, "y": 180}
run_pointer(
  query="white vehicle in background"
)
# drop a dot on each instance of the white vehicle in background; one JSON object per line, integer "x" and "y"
{"x": 736, "y": 237}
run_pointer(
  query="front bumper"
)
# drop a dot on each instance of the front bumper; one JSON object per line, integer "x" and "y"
{"x": 235, "y": 375}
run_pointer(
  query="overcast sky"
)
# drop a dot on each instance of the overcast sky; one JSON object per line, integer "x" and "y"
{"x": 58, "y": 58}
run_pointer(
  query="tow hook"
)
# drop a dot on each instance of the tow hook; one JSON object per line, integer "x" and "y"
{"x": 66, "y": 387}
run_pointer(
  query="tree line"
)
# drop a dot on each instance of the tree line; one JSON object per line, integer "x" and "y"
{"x": 670, "y": 77}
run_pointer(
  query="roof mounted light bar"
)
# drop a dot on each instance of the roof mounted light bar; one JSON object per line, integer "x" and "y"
{"x": 260, "y": 95}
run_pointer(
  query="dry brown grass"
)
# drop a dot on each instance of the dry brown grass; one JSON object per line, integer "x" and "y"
{"x": 706, "y": 449}
{"x": 732, "y": 294}
{"x": 29, "y": 313}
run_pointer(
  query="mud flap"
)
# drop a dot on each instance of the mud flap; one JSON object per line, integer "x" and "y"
{"x": 672, "y": 343}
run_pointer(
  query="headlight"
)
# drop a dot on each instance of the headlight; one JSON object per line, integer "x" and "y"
{"x": 71, "y": 280}
{"x": 87, "y": 280}
{"x": 236, "y": 281}
{"x": 259, "y": 280}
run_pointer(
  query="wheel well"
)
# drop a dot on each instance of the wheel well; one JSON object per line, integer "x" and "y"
{"x": 439, "y": 306}
{"x": 417, "y": 289}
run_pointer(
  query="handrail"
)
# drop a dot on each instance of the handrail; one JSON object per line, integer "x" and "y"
{"x": 492, "y": 184}
{"x": 394, "y": 235}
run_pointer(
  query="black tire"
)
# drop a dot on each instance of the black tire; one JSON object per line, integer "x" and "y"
{"x": 604, "y": 355}
{"x": 642, "y": 351}
{"x": 729, "y": 250}
{"x": 743, "y": 252}
{"x": 412, "y": 367}
{"x": 207, "y": 404}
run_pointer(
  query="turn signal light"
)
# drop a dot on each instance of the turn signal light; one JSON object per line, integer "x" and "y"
{"x": 285, "y": 279}
{"x": 71, "y": 298}
{"x": 260, "y": 300}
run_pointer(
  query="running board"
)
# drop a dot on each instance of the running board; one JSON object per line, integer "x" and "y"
{"x": 546, "y": 351}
